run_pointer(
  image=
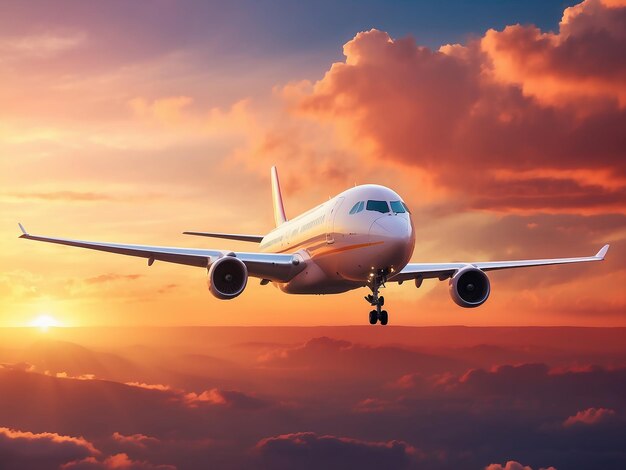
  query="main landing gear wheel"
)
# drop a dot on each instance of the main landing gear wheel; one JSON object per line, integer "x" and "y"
{"x": 378, "y": 315}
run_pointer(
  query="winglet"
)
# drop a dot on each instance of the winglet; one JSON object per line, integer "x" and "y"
{"x": 602, "y": 253}
{"x": 24, "y": 232}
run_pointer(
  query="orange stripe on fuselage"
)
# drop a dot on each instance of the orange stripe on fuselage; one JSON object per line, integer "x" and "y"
{"x": 312, "y": 249}
{"x": 345, "y": 248}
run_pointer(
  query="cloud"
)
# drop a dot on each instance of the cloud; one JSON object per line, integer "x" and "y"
{"x": 330, "y": 356}
{"x": 229, "y": 398}
{"x": 40, "y": 46}
{"x": 21, "y": 366}
{"x": 160, "y": 387}
{"x": 64, "y": 196}
{"x": 112, "y": 277}
{"x": 589, "y": 416}
{"x": 513, "y": 465}
{"x": 23, "y": 449}
{"x": 308, "y": 450}
{"x": 375, "y": 405}
{"x": 510, "y": 465}
{"x": 117, "y": 461}
{"x": 135, "y": 440}
{"x": 214, "y": 396}
{"x": 583, "y": 59}
{"x": 452, "y": 113}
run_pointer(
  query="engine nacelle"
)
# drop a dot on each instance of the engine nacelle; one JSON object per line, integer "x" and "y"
{"x": 228, "y": 277}
{"x": 469, "y": 287}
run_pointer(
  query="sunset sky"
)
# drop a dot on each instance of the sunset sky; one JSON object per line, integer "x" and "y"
{"x": 502, "y": 124}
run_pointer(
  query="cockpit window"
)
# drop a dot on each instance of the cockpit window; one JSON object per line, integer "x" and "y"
{"x": 358, "y": 207}
{"x": 378, "y": 206}
{"x": 406, "y": 207}
{"x": 397, "y": 207}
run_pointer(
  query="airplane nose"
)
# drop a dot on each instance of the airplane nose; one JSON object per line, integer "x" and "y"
{"x": 390, "y": 227}
{"x": 393, "y": 236}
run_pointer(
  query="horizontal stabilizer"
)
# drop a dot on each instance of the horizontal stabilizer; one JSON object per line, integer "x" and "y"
{"x": 229, "y": 236}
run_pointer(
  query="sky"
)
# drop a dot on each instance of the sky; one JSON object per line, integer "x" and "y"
{"x": 501, "y": 123}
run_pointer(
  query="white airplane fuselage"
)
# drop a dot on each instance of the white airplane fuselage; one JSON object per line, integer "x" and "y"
{"x": 344, "y": 244}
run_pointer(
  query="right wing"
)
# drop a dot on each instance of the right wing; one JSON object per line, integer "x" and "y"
{"x": 419, "y": 271}
{"x": 275, "y": 267}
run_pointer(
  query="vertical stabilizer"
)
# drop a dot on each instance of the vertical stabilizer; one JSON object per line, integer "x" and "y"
{"x": 277, "y": 199}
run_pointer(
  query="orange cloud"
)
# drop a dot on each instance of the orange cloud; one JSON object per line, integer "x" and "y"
{"x": 118, "y": 461}
{"x": 513, "y": 465}
{"x": 45, "y": 450}
{"x": 135, "y": 440}
{"x": 229, "y": 398}
{"x": 583, "y": 59}
{"x": 589, "y": 416}
{"x": 160, "y": 387}
{"x": 468, "y": 117}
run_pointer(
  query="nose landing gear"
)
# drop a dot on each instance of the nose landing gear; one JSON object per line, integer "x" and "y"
{"x": 374, "y": 300}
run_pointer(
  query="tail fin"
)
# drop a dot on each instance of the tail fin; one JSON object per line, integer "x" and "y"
{"x": 277, "y": 198}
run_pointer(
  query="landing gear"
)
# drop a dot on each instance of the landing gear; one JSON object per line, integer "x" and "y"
{"x": 374, "y": 300}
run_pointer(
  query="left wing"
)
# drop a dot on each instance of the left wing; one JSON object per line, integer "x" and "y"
{"x": 275, "y": 267}
{"x": 443, "y": 271}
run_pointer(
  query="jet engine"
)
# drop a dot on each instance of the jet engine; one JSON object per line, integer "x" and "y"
{"x": 469, "y": 287}
{"x": 228, "y": 277}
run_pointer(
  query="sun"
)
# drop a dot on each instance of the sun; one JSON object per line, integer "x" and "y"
{"x": 44, "y": 321}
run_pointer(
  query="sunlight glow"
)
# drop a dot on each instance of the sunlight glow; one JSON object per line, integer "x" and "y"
{"x": 44, "y": 321}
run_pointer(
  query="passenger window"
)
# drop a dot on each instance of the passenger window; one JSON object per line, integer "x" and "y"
{"x": 397, "y": 207}
{"x": 378, "y": 206}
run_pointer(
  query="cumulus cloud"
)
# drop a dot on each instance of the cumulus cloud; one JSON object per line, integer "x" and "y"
{"x": 214, "y": 396}
{"x": 118, "y": 461}
{"x": 589, "y": 416}
{"x": 469, "y": 118}
{"x": 310, "y": 450}
{"x": 24, "y": 449}
{"x": 21, "y": 366}
{"x": 513, "y": 465}
{"x": 135, "y": 440}
{"x": 583, "y": 59}
{"x": 229, "y": 398}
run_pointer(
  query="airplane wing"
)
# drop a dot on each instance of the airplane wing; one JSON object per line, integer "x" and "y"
{"x": 275, "y": 267}
{"x": 443, "y": 271}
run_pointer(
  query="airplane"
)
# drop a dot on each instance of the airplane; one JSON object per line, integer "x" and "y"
{"x": 363, "y": 237}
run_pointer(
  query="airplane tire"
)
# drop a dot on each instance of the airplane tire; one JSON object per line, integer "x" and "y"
{"x": 384, "y": 318}
{"x": 373, "y": 317}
